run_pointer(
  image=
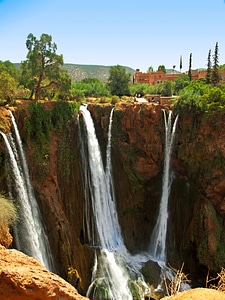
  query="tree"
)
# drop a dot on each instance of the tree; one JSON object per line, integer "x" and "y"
{"x": 9, "y": 76}
{"x": 162, "y": 68}
{"x": 150, "y": 69}
{"x": 118, "y": 81}
{"x": 89, "y": 87}
{"x": 41, "y": 70}
{"x": 64, "y": 92}
{"x": 166, "y": 89}
{"x": 181, "y": 64}
{"x": 190, "y": 66}
{"x": 7, "y": 86}
{"x": 209, "y": 68}
{"x": 10, "y": 68}
{"x": 215, "y": 72}
{"x": 180, "y": 83}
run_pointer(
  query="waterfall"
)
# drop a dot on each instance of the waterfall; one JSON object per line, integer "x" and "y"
{"x": 158, "y": 238}
{"x": 29, "y": 233}
{"x": 102, "y": 199}
{"x": 114, "y": 267}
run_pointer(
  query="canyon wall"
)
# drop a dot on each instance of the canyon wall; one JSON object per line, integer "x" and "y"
{"x": 196, "y": 219}
{"x": 197, "y": 207}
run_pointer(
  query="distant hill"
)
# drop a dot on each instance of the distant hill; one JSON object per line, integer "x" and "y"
{"x": 79, "y": 72}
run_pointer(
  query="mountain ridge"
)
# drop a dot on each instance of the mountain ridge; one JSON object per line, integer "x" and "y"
{"x": 78, "y": 72}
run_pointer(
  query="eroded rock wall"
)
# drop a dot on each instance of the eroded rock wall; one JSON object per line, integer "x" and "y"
{"x": 196, "y": 220}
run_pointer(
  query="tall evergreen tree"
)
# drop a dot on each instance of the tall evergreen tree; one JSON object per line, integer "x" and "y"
{"x": 190, "y": 66}
{"x": 209, "y": 69}
{"x": 215, "y": 72}
{"x": 181, "y": 64}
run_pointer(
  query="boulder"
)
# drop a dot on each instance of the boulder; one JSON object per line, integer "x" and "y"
{"x": 198, "y": 293}
{"x": 24, "y": 278}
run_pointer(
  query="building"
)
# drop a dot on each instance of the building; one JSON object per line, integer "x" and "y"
{"x": 153, "y": 78}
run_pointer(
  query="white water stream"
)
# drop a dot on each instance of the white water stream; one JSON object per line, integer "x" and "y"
{"x": 114, "y": 267}
{"x": 158, "y": 238}
{"x": 29, "y": 233}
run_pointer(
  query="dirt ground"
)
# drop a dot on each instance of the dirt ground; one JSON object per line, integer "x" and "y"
{"x": 198, "y": 294}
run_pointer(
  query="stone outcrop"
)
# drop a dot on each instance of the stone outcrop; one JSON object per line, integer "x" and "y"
{"x": 23, "y": 278}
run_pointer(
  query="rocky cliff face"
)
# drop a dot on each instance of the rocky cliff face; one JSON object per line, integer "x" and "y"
{"x": 196, "y": 221}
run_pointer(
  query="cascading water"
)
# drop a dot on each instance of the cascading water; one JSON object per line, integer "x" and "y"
{"x": 158, "y": 238}
{"x": 29, "y": 234}
{"x": 114, "y": 267}
{"x": 103, "y": 204}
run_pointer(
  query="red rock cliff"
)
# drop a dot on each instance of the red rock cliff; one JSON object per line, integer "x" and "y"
{"x": 196, "y": 223}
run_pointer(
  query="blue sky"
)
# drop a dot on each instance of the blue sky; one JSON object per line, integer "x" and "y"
{"x": 132, "y": 33}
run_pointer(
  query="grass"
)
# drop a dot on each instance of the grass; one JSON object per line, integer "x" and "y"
{"x": 8, "y": 213}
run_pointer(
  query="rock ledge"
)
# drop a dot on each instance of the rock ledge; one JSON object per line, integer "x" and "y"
{"x": 24, "y": 278}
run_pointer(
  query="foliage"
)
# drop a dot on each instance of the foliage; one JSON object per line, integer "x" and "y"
{"x": 10, "y": 68}
{"x": 215, "y": 72}
{"x": 64, "y": 92}
{"x": 63, "y": 112}
{"x": 181, "y": 63}
{"x": 78, "y": 91}
{"x": 119, "y": 80}
{"x": 38, "y": 124}
{"x": 144, "y": 89}
{"x": 221, "y": 67}
{"x": 209, "y": 66}
{"x": 41, "y": 70}
{"x": 115, "y": 99}
{"x": 7, "y": 86}
{"x": 199, "y": 96}
{"x": 9, "y": 76}
{"x": 162, "y": 68}
{"x": 190, "y": 66}
{"x": 166, "y": 88}
{"x": 89, "y": 87}
{"x": 150, "y": 69}
{"x": 8, "y": 211}
{"x": 180, "y": 83}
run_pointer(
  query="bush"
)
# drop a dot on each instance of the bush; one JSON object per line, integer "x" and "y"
{"x": 8, "y": 213}
{"x": 115, "y": 99}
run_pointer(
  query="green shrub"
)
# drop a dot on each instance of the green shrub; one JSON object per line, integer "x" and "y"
{"x": 115, "y": 99}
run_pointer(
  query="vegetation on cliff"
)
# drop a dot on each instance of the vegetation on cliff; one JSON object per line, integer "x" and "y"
{"x": 40, "y": 121}
{"x": 8, "y": 211}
